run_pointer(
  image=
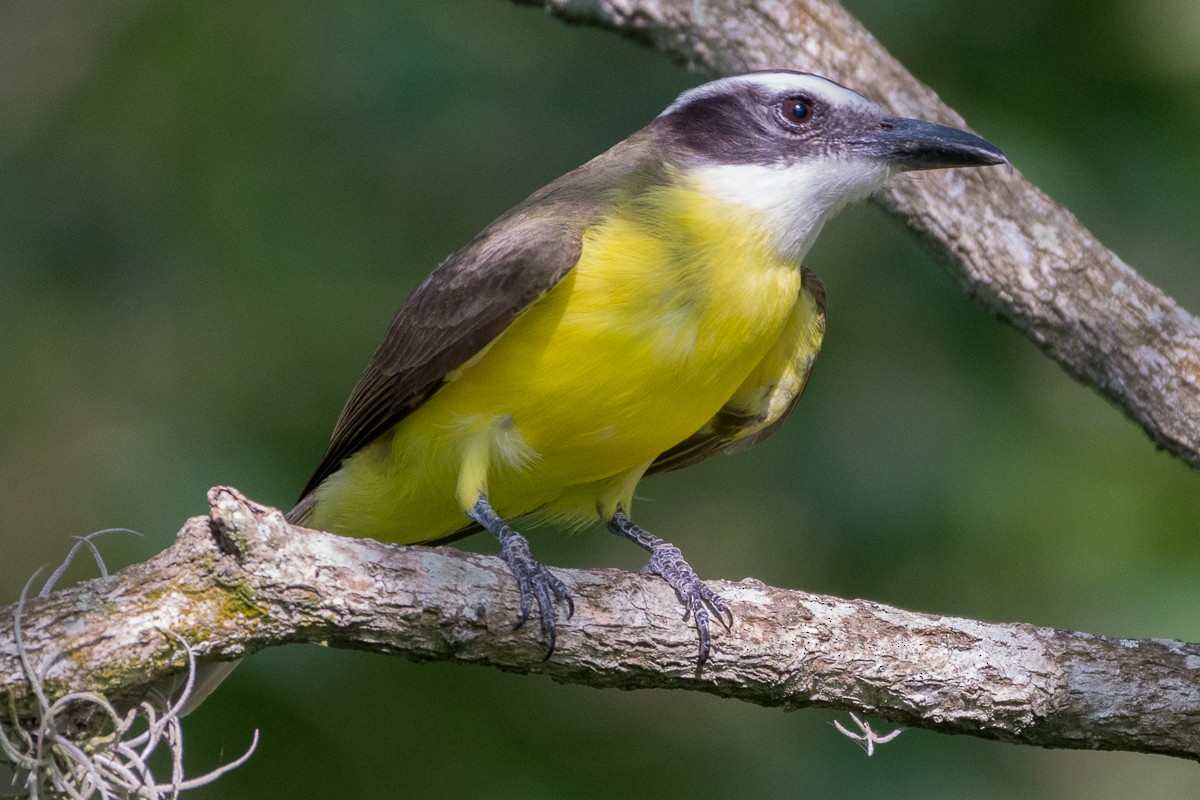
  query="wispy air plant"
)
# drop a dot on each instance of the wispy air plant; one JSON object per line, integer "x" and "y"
{"x": 79, "y": 746}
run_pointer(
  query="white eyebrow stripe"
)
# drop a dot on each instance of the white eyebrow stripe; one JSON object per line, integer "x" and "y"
{"x": 775, "y": 83}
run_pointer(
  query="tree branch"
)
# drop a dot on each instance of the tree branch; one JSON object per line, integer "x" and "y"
{"x": 244, "y": 579}
{"x": 1026, "y": 258}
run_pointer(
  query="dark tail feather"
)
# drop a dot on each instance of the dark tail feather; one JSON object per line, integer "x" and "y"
{"x": 302, "y": 510}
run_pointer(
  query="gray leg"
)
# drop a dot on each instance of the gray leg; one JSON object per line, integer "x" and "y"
{"x": 533, "y": 579}
{"x": 667, "y": 562}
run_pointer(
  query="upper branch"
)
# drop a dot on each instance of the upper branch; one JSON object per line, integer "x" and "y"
{"x": 244, "y": 579}
{"x": 1026, "y": 258}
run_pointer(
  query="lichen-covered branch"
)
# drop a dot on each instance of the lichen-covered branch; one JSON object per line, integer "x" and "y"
{"x": 243, "y": 579}
{"x": 1022, "y": 255}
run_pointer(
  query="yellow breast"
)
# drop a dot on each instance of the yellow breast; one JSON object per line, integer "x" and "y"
{"x": 674, "y": 300}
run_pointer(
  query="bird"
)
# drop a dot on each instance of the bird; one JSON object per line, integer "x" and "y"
{"x": 639, "y": 314}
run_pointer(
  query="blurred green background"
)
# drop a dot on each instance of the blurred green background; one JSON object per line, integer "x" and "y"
{"x": 209, "y": 211}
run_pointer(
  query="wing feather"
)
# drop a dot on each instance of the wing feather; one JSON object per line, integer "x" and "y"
{"x": 449, "y": 319}
{"x": 473, "y": 296}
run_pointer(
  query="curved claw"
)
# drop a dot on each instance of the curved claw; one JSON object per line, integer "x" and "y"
{"x": 534, "y": 579}
{"x": 698, "y": 603}
{"x": 697, "y": 597}
{"x": 718, "y": 605}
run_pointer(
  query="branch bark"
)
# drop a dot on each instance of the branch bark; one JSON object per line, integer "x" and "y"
{"x": 243, "y": 579}
{"x": 1008, "y": 244}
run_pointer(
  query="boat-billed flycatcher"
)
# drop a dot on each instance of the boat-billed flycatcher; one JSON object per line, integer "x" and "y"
{"x": 637, "y": 315}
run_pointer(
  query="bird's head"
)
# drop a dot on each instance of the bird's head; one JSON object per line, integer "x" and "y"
{"x": 794, "y": 148}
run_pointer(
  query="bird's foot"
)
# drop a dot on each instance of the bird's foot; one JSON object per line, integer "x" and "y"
{"x": 700, "y": 602}
{"x": 698, "y": 598}
{"x": 534, "y": 580}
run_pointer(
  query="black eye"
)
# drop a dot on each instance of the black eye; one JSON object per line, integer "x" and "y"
{"x": 795, "y": 111}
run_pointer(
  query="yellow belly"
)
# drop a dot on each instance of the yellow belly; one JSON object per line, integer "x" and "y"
{"x": 631, "y": 353}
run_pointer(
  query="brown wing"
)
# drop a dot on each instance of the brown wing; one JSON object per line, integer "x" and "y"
{"x": 476, "y": 294}
{"x": 765, "y": 400}
{"x": 460, "y": 308}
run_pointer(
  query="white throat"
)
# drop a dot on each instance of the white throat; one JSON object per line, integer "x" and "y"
{"x": 792, "y": 201}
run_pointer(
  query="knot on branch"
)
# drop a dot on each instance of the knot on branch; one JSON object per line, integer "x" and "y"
{"x": 243, "y": 528}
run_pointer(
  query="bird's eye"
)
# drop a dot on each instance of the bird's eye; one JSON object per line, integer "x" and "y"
{"x": 795, "y": 111}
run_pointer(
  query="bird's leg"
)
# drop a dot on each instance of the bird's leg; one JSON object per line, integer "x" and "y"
{"x": 667, "y": 562}
{"x": 534, "y": 580}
